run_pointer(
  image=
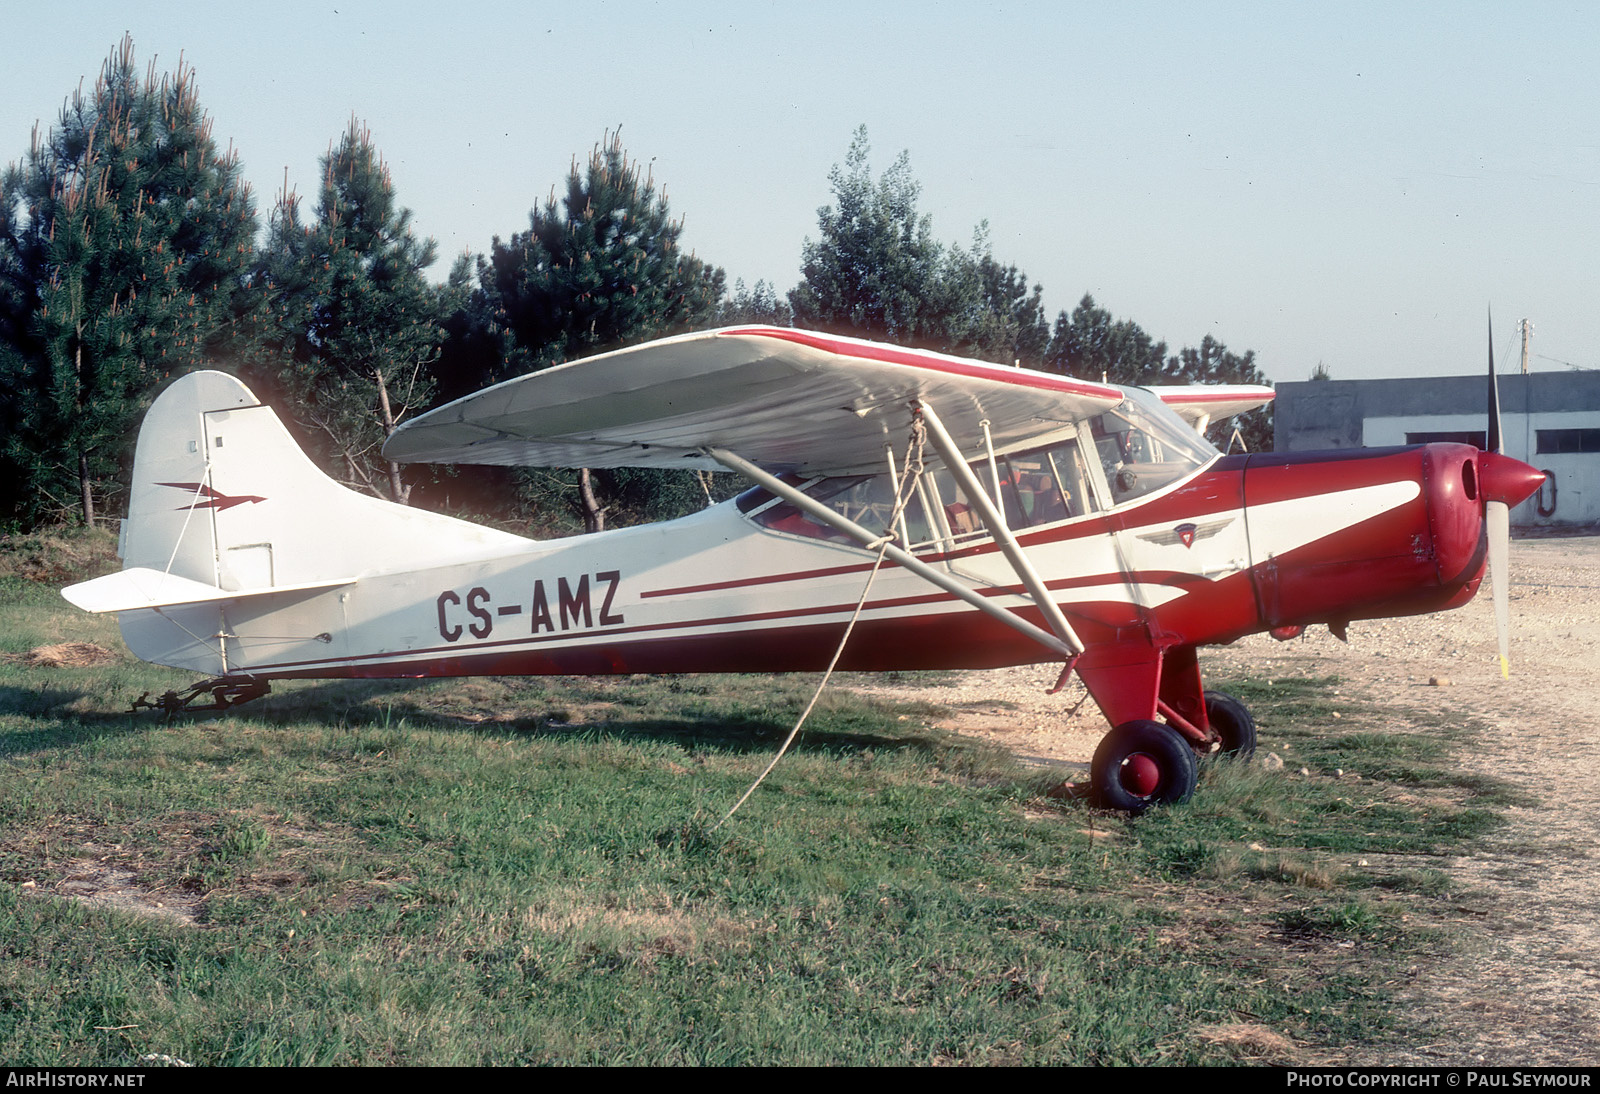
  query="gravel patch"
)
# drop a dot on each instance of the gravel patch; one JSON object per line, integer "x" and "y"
{"x": 1526, "y": 987}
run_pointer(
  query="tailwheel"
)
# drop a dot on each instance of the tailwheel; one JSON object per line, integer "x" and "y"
{"x": 1235, "y": 726}
{"x": 1140, "y": 764}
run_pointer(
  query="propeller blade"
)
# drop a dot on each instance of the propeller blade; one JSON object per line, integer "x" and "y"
{"x": 1497, "y": 515}
{"x": 1496, "y": 439}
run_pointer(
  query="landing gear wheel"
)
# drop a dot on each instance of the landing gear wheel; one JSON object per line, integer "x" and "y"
{"x": 1140, "y": 764}
{"x": 1233, "y": 723}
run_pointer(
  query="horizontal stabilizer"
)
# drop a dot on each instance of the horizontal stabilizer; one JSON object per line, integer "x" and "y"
{"x": 138, "y": 587}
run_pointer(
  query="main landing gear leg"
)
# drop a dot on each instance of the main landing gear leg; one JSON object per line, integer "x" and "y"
{"x": 1213, "y": 721}
{"x": 1143, "y": 762}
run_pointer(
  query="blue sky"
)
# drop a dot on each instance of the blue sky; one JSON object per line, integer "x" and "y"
{"x": 1345, "y": 183}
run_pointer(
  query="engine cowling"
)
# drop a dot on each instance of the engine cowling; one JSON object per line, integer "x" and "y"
{"x": 1425, "y": 552}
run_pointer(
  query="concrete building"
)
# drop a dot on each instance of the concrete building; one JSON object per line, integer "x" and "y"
{"x": 1550, "y": 420}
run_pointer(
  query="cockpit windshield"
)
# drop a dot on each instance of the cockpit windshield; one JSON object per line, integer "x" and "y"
{"x": 1144, "y": 445}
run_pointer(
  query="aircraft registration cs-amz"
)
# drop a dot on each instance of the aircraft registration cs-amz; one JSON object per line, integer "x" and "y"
{"x": 1046, "y": 518}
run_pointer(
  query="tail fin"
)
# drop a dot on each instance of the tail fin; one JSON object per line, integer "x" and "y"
{"x": 225, "y": 506}
{"x": 169, "y": 529}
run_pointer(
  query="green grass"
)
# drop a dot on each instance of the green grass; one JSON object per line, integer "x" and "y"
{"x": 505, "y": 871}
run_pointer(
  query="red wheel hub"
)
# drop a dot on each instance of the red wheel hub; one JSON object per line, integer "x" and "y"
{"x": 1140, "y": 775}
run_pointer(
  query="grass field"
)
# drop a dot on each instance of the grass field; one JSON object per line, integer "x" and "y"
{"x": 505, "y": 871}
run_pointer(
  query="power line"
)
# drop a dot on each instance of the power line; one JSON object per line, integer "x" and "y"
{"x": 1569, "y": 364}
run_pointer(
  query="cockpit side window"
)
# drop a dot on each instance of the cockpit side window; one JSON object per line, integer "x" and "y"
{"x": 1039, "y": 487}
{"x": 868, "y": 500}
{"x": 1142, "y": 446}
{"x": 1045, "y": 486}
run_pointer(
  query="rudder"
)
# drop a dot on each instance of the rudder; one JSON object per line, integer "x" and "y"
{"x": 222, "y": 494}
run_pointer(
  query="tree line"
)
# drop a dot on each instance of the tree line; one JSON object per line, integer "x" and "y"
{"x": 131, "y": 252}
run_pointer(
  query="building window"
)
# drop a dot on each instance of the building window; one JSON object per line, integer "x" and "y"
{"x": 1478, "y": 439}
{"x": 1569, "y": 440}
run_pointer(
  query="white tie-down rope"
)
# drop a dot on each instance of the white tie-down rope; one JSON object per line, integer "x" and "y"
{"x": 909, "y": 474}
{"x": 199, "y": 488}
{"x": 177, "y": 545}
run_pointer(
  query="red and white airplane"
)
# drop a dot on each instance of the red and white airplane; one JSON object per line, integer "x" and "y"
{"x": 1052, "y": 519}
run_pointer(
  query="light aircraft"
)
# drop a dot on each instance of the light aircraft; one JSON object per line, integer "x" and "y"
{"x": 1022, "y": 517}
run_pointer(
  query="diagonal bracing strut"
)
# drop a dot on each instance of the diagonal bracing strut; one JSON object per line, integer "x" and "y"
{"x": 900, "y": 557}
{"x": 996, "y": 524}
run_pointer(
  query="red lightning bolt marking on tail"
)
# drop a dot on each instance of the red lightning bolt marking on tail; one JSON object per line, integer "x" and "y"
{"x": 213, "y": 500}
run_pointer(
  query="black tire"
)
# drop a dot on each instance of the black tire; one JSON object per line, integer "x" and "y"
{"x": 1234, "y": 725}
{"x": 1140, "y": 764}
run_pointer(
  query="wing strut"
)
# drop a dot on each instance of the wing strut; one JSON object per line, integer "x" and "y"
{"x": 899, "y": 557}
{"x": 996, "y": 524}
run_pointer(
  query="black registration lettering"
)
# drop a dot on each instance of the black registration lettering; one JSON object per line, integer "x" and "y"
{"x": 574, "y": 606}
{"x": 612, "y": 579}
{"x": 574, "y": 602}
{"x": 447, "y": 630}
{"x": 541, "y": 609}
{"x": 475, "y": 601}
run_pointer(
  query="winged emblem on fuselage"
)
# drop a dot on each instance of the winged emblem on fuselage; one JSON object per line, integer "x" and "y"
{"x": 1186, "y": 533}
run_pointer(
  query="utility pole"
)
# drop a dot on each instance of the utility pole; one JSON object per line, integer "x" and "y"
{"x": 1527, "y": 395}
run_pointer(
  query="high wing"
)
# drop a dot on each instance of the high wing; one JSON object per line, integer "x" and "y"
{"x": 1200, "y": 404}
{"x": 788, "y": 400}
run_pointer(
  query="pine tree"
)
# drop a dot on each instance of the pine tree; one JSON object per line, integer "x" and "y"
{"x": 1213, "y": 363}
{"x": 758, "y": 306}
{"x": 1093, "y": 345}
{"x": 474, "y": 350}
{"x": 876, "y": 262}
{"x": 124, "y": 238}
{"x": 600, "y": 269}
{"x": 876, "y": 271}
{"x": 985, "y": 309}
{"x": 348, "y": 327}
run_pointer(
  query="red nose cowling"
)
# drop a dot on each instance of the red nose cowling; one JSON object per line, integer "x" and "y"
{"x": 1457, "y": 482}
{"x": 1502, "y": 478}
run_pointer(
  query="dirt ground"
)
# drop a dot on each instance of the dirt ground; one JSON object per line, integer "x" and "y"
{"x": 1526, "y": 988}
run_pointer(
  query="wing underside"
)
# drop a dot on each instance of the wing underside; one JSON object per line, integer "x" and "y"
{"x": 788, "y": 400}
{"x": 1199, "y": 403}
